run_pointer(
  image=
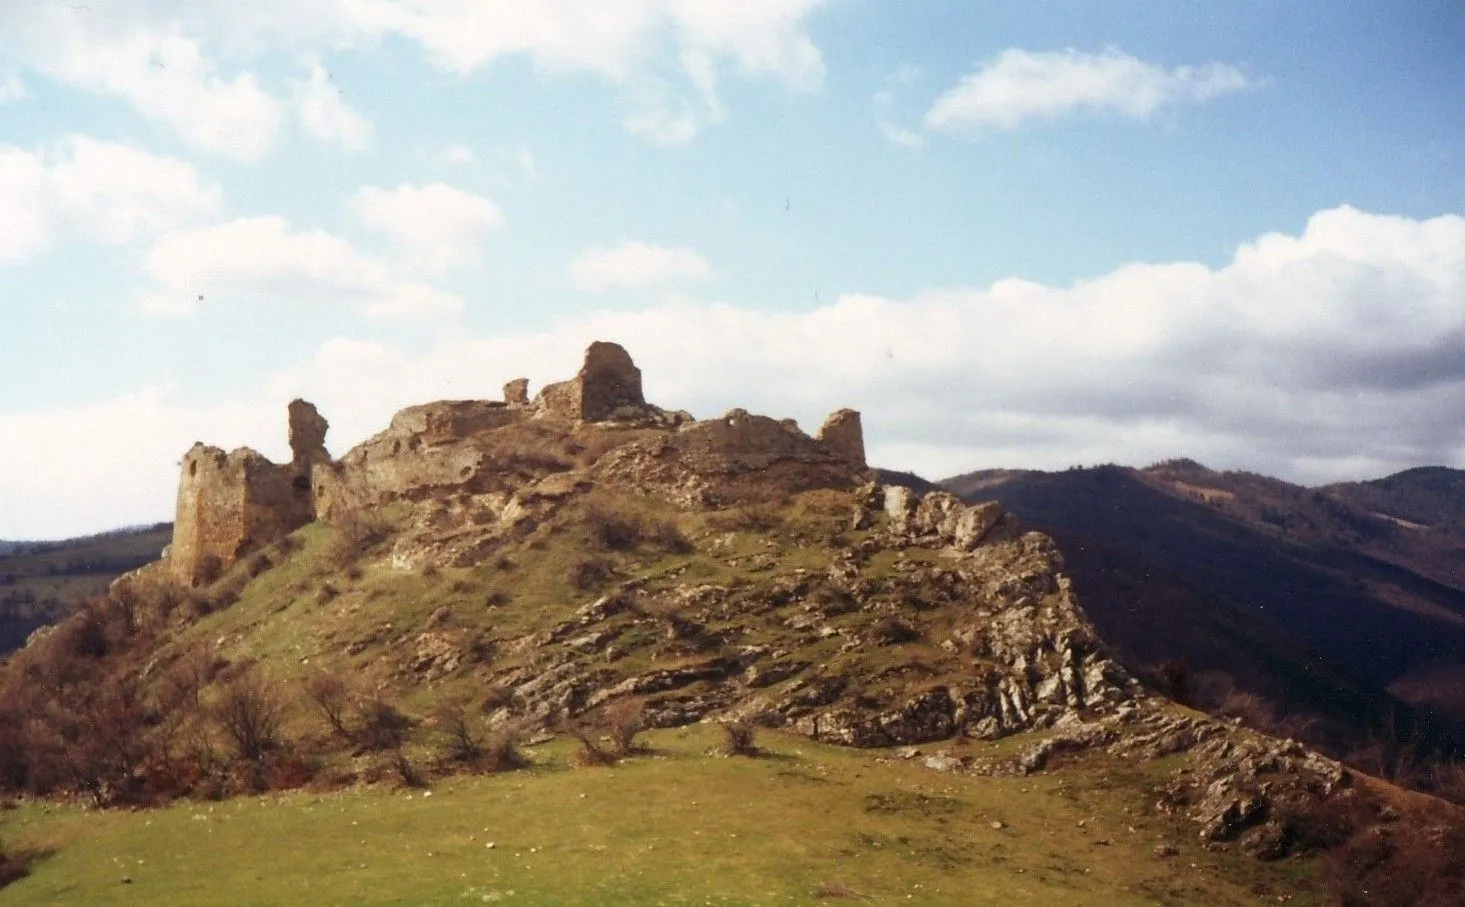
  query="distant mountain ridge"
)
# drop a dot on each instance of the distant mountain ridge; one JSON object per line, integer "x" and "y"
{"x": 40, "y": 581}
{"x": 1349, "y": 598}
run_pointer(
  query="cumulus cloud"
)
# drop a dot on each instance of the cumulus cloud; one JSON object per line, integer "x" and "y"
{"x": 1334, "y": 353}
{"x": 143, "y": 433}
{"x": 664, "y": 55}
{"x": 884, "y": 102}
{"x": 616, "y": 38}
{"x": 637, "y": 264}
{"x": 152, "y": 64}
{"x": 81, "y": 187}
{"x": 436, "y": 226}
{"x": 257, "y": 259}
{"x": 1019, "y": 86}
{"x": 1337, "y": 352}
{"x": 324, "y": 113}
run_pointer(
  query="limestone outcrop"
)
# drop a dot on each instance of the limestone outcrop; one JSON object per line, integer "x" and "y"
{"x": 740, "y": 457}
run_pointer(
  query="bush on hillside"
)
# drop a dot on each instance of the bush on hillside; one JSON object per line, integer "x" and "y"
{"x": 251, "y": 714}
{"x": 613, "y": 531}
{"x": 588, "y": 573}
{"x": 739, "y": 738}
{"x": 623, "y": 720}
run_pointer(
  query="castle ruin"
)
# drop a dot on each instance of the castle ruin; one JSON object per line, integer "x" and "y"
{"x": 232, "y": 504}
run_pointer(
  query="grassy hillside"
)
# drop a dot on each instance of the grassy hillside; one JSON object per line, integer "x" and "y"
{"x": 804, "y": 823}
{"x": 323, "y": 723}
{"x": 41, "y": 581}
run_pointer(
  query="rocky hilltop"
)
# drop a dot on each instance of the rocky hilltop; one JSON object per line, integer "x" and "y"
{"x": 480, "y": 469}
{"x": 559, "y": 555}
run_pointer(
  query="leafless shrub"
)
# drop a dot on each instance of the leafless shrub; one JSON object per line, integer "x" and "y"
{"x": 332, "y": 696}
{"x": 461, "y": 743}
{"x": 356, "y": 535}
{"x": 250, "y": 713}
{"x": 381, "y": 726}
{"x": 1409, "y": 863}
{"x": 406, "y": 771}
{"x": 623, "y": 720}
{"x": 258, "y": 564}
{"x": 501, "y": 749}
{"x": 739, "y": 738}
{"x": 667, "y": 536}
{"x": 589, "y": 572}
{"x": 289, "y": 772}
{"x": 892, "y": 631}
{"x": 747, "y": 518}
{"x": 613, "y": 531}
{"x": 591, "y": 753}
{"x": 1173, "y": 679}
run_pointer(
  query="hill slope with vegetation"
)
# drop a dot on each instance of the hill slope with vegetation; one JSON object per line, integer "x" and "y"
{"x": 646, "y": 658}
{"x": 1316, "y": 603}
{"x": 40, "y": 582}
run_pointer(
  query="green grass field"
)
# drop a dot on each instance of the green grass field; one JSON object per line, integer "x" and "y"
{"x": 803, "y": 824}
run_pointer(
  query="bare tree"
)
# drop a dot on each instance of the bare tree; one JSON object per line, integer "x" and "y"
{"x": 250, "y": 712}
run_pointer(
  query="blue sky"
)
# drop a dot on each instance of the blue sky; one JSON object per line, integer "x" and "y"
{"x": 1012, "y": 234}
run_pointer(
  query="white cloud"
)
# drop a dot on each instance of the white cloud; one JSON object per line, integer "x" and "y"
{"x": 884, "y": 101}
{"x": 265, "y": 258}
{"x": 636, "y": 264}
{"x": 459, "y": 154}
{"x": 12, "y": 89}
{"x": 151, "y": 63}
{"x": 152, "y": 53}
{"x": 1020, "y": 86}
{"x": 84, "y": 188}
{"x": 615, "y": 38}
{"x": 436, "y": 225}
{"x": 1335, "y": 353}
{"x": 25, "y": 205}
{"x": 143, "y": 434}
{"x": 324, "y": 113}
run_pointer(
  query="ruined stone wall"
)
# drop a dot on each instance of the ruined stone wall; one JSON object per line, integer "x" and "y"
{"x": 232, "y": 504}
{"x": 608, "y": 382}
{"x": 844, "y": 435}
{"x": 229, "y": 505}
